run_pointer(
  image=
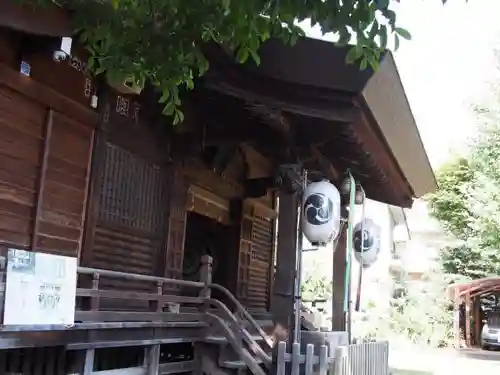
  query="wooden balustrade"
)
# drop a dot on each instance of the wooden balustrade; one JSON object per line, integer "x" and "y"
{"x": 162, "y": 307}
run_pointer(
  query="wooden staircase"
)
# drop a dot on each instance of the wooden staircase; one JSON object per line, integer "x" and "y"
{"x": 232, "y": 349}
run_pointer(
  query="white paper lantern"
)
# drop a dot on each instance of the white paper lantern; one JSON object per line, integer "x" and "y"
{"x": 321, "y": 212}
{"x": 367, "y": 252}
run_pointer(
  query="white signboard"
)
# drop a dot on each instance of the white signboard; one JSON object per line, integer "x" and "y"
{"x": 40, "y": 289}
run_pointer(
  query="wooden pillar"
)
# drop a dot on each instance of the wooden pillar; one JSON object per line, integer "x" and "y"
{"x": 338, "y": 280}
{"x": 283, "y": 288}
{"x": 477, "y": 320}
{"x": 456, "y": 318}
{"x": 467, "y": 320}
{"x": 170, "y": 262}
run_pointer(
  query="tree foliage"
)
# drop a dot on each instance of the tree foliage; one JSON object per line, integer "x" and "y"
{"x": 317, "y": 287}
{"x": 422, "y": 315}
{"x": 159, "y": 41}
{"x": 467, "y": 204}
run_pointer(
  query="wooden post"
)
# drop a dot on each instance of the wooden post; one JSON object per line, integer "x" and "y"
{"x": 94, "y": 301}
{"x": 282, "y": 301}
{"x": 3, "y": 275}
{"x": 157, "y": 305}
{"x": 338, "y": 280}
{"x": 477, "y": 320}
{"x": 88, "y": 367}
{"x": 456, "y": 317}
{"x": 152, "y": 359}
{"x": 206, "y": 278}
{"x": 467, "y": 320}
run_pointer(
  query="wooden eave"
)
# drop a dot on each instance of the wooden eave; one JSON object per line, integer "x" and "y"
{"x": 334, "y": 123}
{"x": 46, "y": 21}
{"x": 320, "y": 65}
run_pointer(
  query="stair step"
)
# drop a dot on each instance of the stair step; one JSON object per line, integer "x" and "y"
{"x": 222, "y": 340}
{"x": 236, "y": 365}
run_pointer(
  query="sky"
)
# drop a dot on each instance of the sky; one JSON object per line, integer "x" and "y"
{"x": 446, "y": 68}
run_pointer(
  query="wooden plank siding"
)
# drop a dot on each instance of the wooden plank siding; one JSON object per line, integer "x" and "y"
{"x": 260, "y": 263}
{"x": 255, "y": 260}
{"x": 131, "y": 212}
{"x": 135, "y": 213}
{"x": 45, "y": 150}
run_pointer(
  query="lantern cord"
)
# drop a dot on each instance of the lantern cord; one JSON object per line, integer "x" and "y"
{"x": 361, "y": 264}
{"x": 347, "y": 281}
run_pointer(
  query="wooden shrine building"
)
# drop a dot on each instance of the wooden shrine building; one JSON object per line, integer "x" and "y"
{"x": 140, "y": 203}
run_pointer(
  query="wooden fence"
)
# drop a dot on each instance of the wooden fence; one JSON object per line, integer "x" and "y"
{"x": 358, "y": 359}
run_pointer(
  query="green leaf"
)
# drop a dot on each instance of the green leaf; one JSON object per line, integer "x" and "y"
{"x": 354, "y": 54}
{"x": 383, "y": 36}
{"x": 396, "y": 42}
{"x": 374, "y": 30}
{"x": 391, "y": 17}
{"x": 242, "y": 55}
{"x": 344, "y": 36}
{"x": 99, "y": 70}
{"x": 165, "y": 95}
{"x": 160, "y": 41}
{"x": 382, "y": 4}
{"x": 364, "y": 64}
{"x": 169, "y": 109}
{"x": 373, "y": 60}
{"x": 255, "y": 57}
{"x": 403, "y": 33}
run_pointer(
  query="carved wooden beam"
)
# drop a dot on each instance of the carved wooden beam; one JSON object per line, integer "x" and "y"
{"x": 344, "y": 113}
{"x": 326, "y": 167}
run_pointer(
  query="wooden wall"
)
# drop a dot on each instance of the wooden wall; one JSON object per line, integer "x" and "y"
{"x": 45, "y": 148}
{"x": 255, "y": 256}
{"x": 132, "y": 216}
{"x": 127, "y": 227}
{"x": 253, "y": 220}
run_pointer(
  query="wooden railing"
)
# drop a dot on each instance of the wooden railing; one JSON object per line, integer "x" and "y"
{"x": 159, "y": 300}
{"x": 201, "y": 308}
{"x": 358, "y": 359}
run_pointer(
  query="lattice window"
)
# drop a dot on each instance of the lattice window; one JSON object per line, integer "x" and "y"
{"x": 133, "y": 191}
